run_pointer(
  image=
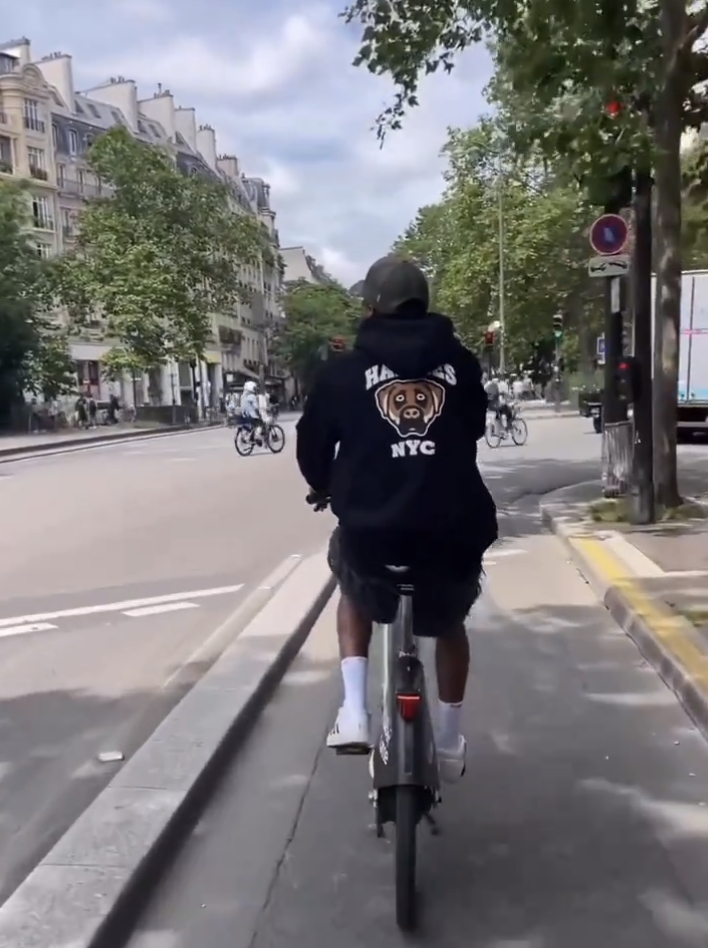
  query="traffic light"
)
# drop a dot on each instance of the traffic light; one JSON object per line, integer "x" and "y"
{"x": 558, "y": 325}
{"x": 489, "y": 339}
{"x": 628, "y": 380}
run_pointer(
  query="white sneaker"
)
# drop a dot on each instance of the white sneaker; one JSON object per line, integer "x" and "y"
{"x": 351, "y": 732}
{"x": 452, "y": 761}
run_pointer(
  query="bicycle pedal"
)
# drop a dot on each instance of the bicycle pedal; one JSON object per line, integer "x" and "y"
{"x": 353, "y": 750}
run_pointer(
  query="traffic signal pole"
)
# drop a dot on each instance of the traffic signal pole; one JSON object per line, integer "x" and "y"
{"x": 643, "y": 508}
{"x": 616, "y": 436}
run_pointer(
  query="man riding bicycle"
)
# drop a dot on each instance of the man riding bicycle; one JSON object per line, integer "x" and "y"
{"x": 497, "y": 402}
{"x": 250, "y": 409}
{"x": 405, "y": 408}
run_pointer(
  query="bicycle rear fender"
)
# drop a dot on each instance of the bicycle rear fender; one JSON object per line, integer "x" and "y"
{"x": 405, "y": 752}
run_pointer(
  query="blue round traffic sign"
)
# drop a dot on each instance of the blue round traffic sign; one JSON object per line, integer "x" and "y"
{"x": 608, "y": 235}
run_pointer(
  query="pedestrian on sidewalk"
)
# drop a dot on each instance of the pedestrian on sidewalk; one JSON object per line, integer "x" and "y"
{"x": 92, "y": 411}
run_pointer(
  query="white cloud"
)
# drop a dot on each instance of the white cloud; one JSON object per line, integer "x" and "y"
{"x": 266, "y": 64}
{"x": 276, "y": 82}
{"x": 146, "y": 11}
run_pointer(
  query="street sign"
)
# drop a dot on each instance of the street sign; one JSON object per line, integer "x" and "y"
{"x": 608, "y": 235}
{"x": 600, "y": 350}
{"x": 619, "y": 265}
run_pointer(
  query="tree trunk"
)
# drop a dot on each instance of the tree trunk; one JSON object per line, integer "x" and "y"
{"x": 667, "y": 307}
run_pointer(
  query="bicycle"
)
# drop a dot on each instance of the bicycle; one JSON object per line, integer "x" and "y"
{"x": 403, "y": 761}
{"x": 495, "y": 431}
{"x": 267, "y": 433}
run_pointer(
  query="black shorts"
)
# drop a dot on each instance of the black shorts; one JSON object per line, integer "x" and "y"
{"x": 440, "y": 603}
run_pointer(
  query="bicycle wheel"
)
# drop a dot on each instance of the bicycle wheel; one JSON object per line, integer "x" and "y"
{"x": 275, "y": 438}
{"x": 406, "y": 852}
{"x": 243, "y": 442}
{"x": 519, "y": 431}
{"x": 492, "y": 435}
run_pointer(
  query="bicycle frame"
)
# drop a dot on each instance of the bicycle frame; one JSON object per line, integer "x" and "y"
{"x": 404, "y": 754}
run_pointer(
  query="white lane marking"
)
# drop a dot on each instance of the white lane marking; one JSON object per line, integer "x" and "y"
{"x": 176, "y": 460}
{"x": 26, "y": 629}
{"x": 120, "y": 606}
{"x": 156, "y": 610}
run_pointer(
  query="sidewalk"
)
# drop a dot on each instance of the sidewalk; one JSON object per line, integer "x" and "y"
{"x": 653, "y": 580}
{"x": 13, "y": 445}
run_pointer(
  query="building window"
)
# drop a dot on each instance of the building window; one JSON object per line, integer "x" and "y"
{"x": 55, "y": 135}
{"x": 89, "y": 140}
{"x": 67, "y": 222}
{"x": 73, "y": 142}
{"x": 6, "y": 162}
{"x": 45, "y": 251}
{"x": 35, "y": 157}
{"x": 32, "y": 119}
{"x": 61, "y": 175}
{"x": 41, "y": 213}
{"x": 82, "y": 180}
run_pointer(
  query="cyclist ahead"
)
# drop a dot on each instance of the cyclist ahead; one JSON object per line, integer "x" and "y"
{"x": 406, "y": 407}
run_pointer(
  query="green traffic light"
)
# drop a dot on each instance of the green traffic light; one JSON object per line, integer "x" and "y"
{"x": 558, "y": 333}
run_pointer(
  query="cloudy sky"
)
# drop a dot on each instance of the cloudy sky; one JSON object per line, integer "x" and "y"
{"x": 275, "y": 81}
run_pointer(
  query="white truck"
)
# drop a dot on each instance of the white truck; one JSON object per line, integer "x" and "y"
{"x": 693, "y": 353}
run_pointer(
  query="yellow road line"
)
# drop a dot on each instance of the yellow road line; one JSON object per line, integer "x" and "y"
{"x": 672, "y": 631}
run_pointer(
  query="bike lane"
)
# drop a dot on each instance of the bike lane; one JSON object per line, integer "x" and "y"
{"x": 582, "y": 818}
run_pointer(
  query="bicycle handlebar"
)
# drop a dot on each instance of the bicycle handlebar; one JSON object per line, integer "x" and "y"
{"x": 317, "y": 501}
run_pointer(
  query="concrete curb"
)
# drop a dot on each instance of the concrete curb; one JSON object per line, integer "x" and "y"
{"x": 68, "y": 445}
{"x": 89, "y": 889}
{"x": 666, "y": 640}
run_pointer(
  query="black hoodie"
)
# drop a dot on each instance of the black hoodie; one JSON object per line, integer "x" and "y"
{"x": 406, "y": 407}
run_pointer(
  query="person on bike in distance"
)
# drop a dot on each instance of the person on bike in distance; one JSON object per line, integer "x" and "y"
{"x": 249, "y": 406}
{"x": 406, "y": 407}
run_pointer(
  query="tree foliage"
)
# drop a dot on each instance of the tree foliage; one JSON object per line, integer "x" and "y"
{"x": 544, "y": 247}
{"x": 315, "y": 313}
{"x": 33, "y": 352}
{"x": 560, "y": 63}
{"x": 159, "y": 256}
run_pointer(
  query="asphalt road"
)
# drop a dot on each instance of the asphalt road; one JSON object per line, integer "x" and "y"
{"x": 124, "y": 570}
{"x": 581, "y": 821}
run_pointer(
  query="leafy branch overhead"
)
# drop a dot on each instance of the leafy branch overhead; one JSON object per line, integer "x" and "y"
{"x": 159, "y": 256}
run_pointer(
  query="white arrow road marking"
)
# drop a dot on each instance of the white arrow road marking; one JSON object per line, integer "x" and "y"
{"x": 119, "y": 606}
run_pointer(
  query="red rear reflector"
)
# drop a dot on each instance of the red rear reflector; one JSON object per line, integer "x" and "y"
{"x": 408, "y": 706}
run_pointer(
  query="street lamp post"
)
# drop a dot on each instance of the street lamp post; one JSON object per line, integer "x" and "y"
{"x": 502, "y": 327}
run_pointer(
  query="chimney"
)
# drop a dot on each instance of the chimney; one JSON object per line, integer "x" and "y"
{"x": 206, "y": 145}
{"x": 161, "y": 108}
{"x": 186, "y": 125}
{"x": 21, "y": 48}
{"x": 229, "y": 165}
{"x": 57, "y": 70}
{"x": 121, "y": 93}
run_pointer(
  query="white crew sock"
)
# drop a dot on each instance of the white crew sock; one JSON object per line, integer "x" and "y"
{"x": 449, "y": 733}
{"x": 354, "y": 676}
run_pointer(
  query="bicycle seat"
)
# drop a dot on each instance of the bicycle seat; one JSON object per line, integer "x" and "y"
{"x": 399, "y": 574}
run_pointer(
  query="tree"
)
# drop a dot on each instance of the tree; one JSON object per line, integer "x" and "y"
{"x": 544, "y": 249}
{"x": 33, "y": 352}
{"x": 314, "y": 315}
{"x": 573, "y": 58}
{"x": 159, "y": 256}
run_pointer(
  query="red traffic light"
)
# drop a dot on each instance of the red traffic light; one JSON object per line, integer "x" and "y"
{"x": 489, "y": 338}
{"x": 614, "y": 108}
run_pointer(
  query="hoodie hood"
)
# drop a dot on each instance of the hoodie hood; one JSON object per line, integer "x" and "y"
{"x": 411, "y": 346}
